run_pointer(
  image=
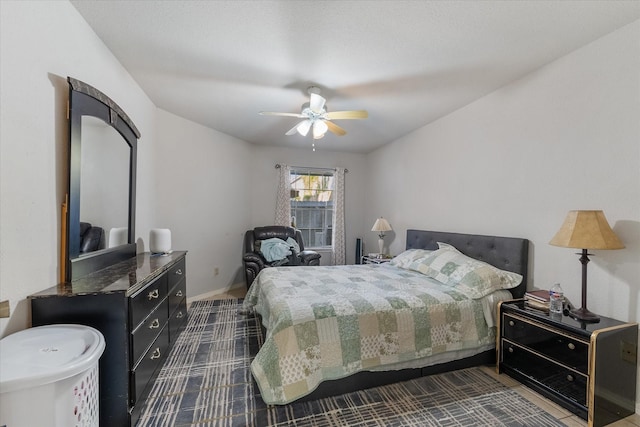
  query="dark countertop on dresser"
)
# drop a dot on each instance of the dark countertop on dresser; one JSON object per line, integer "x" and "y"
{"x": 126, "y": 276}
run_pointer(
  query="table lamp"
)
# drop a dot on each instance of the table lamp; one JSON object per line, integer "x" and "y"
{"x": 586, "y": 230}
{"x": 381, "y": 225}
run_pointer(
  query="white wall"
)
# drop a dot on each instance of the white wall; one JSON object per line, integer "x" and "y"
{"x": 202, "y": 195}
{"x": 513, "y": 163}
{"x": 264, "y": 184}
{"x": 41, "y": 43}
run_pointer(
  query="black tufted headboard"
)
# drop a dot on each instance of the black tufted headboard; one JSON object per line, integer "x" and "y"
{"x": 506, "y": 253}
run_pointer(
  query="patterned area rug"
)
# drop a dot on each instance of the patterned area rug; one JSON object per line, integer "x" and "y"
{"x": 206, "y": 381}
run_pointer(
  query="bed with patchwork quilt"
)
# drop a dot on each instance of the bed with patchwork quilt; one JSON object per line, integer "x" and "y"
{"x": 430, "y": 305}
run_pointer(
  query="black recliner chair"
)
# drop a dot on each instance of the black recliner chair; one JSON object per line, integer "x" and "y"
{"x": 91, "y": 238}
{"x": 253, "y": 259}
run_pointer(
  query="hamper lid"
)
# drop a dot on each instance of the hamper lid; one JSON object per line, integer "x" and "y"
{"x": 45, "y": 354}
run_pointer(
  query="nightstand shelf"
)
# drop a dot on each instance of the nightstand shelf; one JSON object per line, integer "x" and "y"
{"x": 588, "y": 368}
{"x": 374, "y": 260}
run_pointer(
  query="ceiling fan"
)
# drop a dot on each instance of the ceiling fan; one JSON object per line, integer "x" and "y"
{"x": 317, "y": 117}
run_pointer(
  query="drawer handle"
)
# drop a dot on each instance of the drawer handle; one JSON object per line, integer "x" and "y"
{"x": 512, "y": 323}
{"x": 179, "y": 293}
{"x": 153, "y": 294}
{"x": 179, "y": 272}
{"x": 510, "y": 349}
{"x": 569, "y": 377}
{"x": 155, "y": 324}
{"x": 156, "y": 353}
{"x": 179, "y": 315}
{"x": 571, "y": 346}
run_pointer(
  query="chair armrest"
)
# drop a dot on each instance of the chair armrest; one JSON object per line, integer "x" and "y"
{"x": 294, "y": 259}
{"x": 253, "y": 263}
{"x": 310, "y": 258}
{"x": 254, "y": 258}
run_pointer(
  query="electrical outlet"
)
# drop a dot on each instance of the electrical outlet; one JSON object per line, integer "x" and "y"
{"x": 628, "y": 351}
{"x": 216, "y": 271}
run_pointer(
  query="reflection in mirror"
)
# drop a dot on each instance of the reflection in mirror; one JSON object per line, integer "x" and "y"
{"x": 104, "y": 176}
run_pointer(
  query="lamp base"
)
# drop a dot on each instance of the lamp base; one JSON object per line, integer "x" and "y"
{"x": 583, "y": 315}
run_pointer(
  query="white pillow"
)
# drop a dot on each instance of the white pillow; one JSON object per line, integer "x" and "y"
{"x": 404, "y": 259}
{"x": 471, "y": 277}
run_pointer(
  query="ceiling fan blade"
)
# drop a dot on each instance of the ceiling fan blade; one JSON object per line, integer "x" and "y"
{"x": 316, "y": 103}
{"x": 354, "y": 114}
{"x": 271, "y": 113}
{"x": 319, "y": 129}
{"x": 334, "y": 128}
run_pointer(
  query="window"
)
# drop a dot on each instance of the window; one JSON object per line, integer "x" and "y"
{"x": 312, "y": 205}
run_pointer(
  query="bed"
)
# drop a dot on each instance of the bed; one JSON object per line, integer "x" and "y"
{"x": 331, "y": 330}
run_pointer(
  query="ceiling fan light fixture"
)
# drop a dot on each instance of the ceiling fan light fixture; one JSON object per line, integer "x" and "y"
{"x": 319, "y": 129}
{"x": 316, "y": 104}
{"x": 303, "y": 127}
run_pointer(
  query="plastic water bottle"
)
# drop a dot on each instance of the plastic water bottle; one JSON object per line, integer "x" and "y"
{"x": 556, "y": 298}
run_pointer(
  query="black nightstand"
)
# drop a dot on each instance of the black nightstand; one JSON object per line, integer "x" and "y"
{"x": 588, "y": 368}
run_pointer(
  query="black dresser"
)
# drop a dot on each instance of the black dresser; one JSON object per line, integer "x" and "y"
{"x": 588, "y": 368}
{"x": 140, "y": 307}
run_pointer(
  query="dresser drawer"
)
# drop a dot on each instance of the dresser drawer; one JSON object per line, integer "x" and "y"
{"x": 177, "y": 273}
{"x": 147, "y": 331}
{"x": 149, "y": 365}
{"x": 147, "y": 299}
{"x": 560, "y": 379}
{"x": 177, "y": 320}
{"x": 563, "y": 348}
{"x": 177, "y": 294}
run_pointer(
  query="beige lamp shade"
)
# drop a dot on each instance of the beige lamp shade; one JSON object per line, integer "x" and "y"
{"x": 381, "y": 224}
{"x": 586, "y": 230}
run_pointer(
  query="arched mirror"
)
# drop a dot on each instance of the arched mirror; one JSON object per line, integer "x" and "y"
{"x": 100, "y": 210}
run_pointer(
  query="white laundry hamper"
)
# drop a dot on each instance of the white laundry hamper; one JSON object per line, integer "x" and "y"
{"x": 49, "y": 377}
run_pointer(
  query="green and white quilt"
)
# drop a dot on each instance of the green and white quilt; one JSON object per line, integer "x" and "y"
{"x": 326, "y": 323}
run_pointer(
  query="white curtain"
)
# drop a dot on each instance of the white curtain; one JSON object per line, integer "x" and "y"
{"x": 339, "y": 246}
{"x": 283, "y": 199}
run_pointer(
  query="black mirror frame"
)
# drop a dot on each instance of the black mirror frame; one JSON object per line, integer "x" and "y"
{"x": 85, "y": 100}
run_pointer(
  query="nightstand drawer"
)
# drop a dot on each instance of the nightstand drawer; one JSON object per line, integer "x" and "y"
{"x": 562, "y": 348}
{"x": 560, "y": 379}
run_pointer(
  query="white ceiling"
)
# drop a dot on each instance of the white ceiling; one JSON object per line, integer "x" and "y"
{"x": 408, "y": 63}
